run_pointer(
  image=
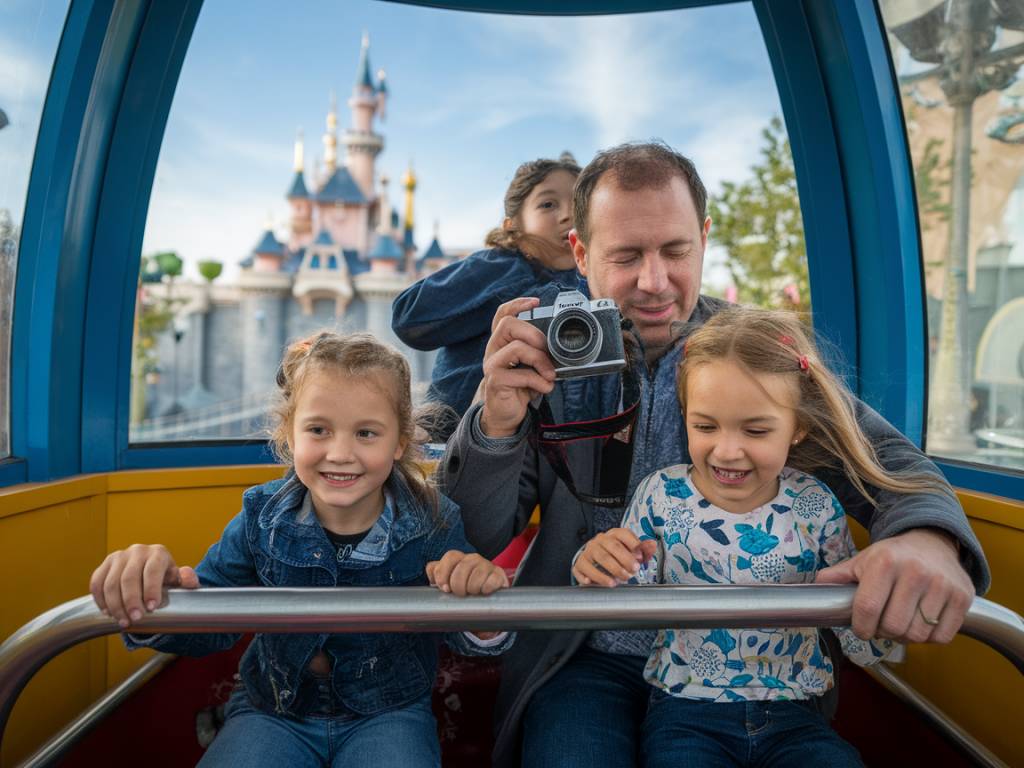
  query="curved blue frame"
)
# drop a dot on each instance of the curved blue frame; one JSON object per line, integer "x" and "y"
{"x": 101, "y": 129}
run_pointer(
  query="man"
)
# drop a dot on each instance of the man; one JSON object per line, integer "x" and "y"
{"x": 578, "y": 698}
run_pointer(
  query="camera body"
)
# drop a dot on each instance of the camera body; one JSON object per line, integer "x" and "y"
{"x": 584, "y": 337}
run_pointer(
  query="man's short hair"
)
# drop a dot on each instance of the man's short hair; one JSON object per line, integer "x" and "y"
{"x": 636, "y": 165}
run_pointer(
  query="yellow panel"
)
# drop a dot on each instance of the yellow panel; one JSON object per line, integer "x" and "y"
{"x": 53, "y": 535}
{"x": 46, "y": 556}
{"x": 185, "y": 520}
{"x": 28, "y": 496}
{"x": 973, "y": 684}
{"x": 193, "y": 477}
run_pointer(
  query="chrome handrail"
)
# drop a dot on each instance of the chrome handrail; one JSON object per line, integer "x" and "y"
{"x": 424, "y": 609}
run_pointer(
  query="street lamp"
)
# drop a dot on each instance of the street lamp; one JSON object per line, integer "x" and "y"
{"x": 178, "y": 331}
{"x": 958, "y": 36}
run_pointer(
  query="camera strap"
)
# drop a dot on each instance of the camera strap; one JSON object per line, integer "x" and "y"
{"x": 551, "y": 439}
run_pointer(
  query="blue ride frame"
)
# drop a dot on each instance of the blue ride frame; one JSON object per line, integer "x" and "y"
{"x": 102, "y": 125}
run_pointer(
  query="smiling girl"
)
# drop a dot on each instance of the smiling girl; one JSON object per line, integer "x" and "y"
{"x": 762, "y": 413}
{"x": 354, "y": 510}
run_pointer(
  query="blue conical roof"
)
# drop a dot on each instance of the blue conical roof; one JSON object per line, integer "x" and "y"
{"x": 386, "y": 248}
{"x": 341, "y": 188}
{"x": 356, "y": 265}
{"x": 363, "y": 74}
{"x": 434, "y": 251}
{"x": 324, "y": 238}
{"x": 407, "y": 241}
{"x": 269, "y": 245}
{"x": 298, "y": 188}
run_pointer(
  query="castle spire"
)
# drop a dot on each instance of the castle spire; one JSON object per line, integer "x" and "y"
{"x": 299, "y": 159}
{"x": 408, "y": 244}
{"x": 409, "y": 183}
{"x": 384, "y": 225}
{"x": 382, "y": 93}
{"x": 364, "y": 76}
{"x": 331, "y": 136}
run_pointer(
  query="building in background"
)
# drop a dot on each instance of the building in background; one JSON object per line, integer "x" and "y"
{"x": 347, "y": 255}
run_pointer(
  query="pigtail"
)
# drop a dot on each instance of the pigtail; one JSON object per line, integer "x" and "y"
{"x": 829, "y": 415}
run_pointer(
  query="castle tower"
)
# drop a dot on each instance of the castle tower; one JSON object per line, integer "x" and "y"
{"x": 408, "y": 244}
{"x": 301, "y": 205}
{"x": 362, "y": 145}
{"x": 263, "y": 289}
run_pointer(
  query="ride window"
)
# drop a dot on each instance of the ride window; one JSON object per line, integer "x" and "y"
{"x": 959, "y": 71}
{"x": 363, "y": 173}
{"x": 29, "y": 33}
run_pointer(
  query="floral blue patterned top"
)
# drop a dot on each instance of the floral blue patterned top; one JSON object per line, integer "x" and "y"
{"x": 802, "y": 530}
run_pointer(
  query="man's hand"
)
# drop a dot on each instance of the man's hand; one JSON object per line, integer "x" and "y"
{"x": 612, "y": 557}
{"x": 508, "y": 388}
{"x": 911, "y": 588}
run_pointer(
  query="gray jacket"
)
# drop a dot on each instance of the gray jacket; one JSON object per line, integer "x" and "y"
{"x": 497, "y": 490}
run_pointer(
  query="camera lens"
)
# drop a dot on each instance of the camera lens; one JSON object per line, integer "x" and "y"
{"x": 574, "y": 337}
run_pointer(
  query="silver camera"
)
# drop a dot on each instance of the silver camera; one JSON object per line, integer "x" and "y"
{"x": 584, "y": 337}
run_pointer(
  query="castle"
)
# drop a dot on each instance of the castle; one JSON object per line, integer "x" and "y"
{"x": 346, "y": 257}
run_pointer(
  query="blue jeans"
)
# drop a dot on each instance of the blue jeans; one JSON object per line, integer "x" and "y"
{"x": 679, "y": 733}
{"x": 398, "y": 738}
{"x": 589, "y": 714}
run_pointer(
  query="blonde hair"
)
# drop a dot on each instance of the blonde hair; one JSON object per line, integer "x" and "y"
{"x": 775, "y": 342}
{"x": 360, "y": 356}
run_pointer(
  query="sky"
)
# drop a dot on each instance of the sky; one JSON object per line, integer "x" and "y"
{"x": 471, "y": 97}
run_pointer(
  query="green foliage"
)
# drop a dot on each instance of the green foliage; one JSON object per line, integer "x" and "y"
{"x": 169, "y": 262}
{"x": 210, "y": 270}
{"x": 759, "y": 225}
{"x": 153, "y": 316}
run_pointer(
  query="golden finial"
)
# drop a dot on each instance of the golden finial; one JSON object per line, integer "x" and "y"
{"x": 409, "y": 182}
{"x": 409, "y": 178}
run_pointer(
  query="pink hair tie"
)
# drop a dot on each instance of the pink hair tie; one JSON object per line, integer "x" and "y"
{"x": 804, "y": 365}
{"x": 787, "y": 340}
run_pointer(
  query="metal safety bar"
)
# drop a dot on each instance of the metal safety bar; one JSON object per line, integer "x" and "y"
{"x": 425, "y": 609}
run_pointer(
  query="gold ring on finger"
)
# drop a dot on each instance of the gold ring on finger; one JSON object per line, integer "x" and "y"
{"x": 926, "y": 619}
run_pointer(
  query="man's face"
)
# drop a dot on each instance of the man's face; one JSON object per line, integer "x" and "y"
{"x": 646, "y": 252}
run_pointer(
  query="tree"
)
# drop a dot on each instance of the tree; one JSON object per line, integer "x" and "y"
{"x": 153, "y": 316}
{"x": 758, "y": 223}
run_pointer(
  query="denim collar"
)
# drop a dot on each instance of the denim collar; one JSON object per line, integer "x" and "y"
{"x": 295, "y": 536}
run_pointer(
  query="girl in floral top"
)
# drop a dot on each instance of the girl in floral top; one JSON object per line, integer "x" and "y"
{"x": 762, "y": 414}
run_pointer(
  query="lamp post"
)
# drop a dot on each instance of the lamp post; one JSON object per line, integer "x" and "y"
{"x": 958, "y": 35}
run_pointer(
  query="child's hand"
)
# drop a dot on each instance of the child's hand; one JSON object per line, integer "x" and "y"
{"x": 612, "y": 557}
{"x": 463, "y": 574}
{"x": 131, "y": 580}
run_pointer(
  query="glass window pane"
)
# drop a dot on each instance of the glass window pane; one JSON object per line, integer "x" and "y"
{"x": 959, "y": 65}
{"x": 290, "y": 170}
{"x": 29, "y": 34}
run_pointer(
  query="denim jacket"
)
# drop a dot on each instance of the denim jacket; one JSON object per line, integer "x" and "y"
{"x": 452, "y": 310}
{"x": 277, "y": 541}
